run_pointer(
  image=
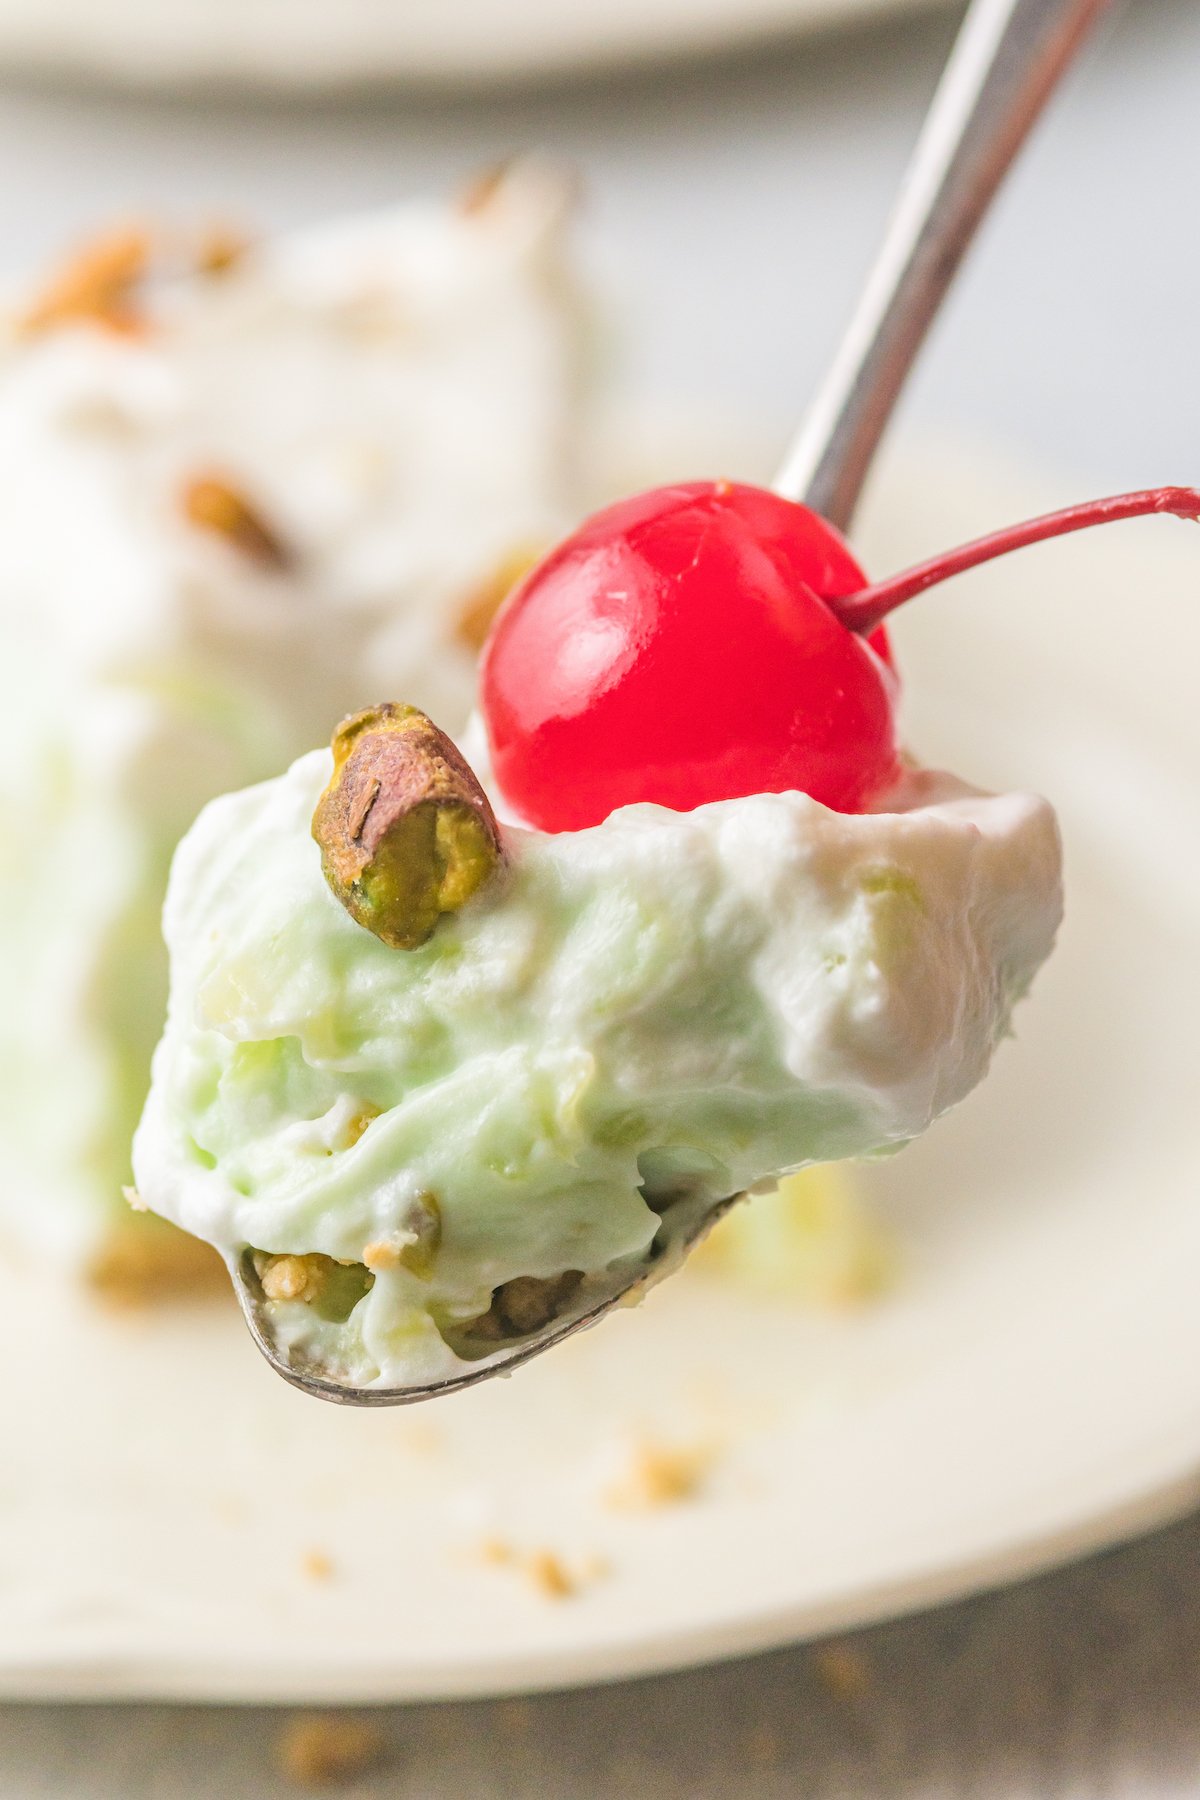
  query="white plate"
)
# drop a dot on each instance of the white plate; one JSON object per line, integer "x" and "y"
{"x": 1029, "y": 1389}
{"x": 332, "y": 43}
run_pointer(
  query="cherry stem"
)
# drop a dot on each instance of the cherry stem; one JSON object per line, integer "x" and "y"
{"x": 871, "y": 605}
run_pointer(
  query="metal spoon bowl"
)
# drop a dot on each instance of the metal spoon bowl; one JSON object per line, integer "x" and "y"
{"x": 683, "y": 1225}
{"x": 1006, "y": 62}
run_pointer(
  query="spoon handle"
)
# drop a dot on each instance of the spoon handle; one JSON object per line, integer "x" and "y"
{"x": 1005, "y": 64}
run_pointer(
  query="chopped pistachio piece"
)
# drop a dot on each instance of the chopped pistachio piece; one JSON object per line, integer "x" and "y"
{"x": 97, "y": 283}
{"x": 406, "y": 832}
{"x": 481, "y": 604}
{"x": 331, "y": 1287}
{"x": 415, "y": 1247}
{"x": 292, "y": 1277}
{"x": 525, "y": 1304}
{"x": 213, "y": 504}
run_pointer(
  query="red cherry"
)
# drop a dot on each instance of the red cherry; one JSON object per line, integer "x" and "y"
{"x": 678, "y": 648}
{"x": 706, "y": 641}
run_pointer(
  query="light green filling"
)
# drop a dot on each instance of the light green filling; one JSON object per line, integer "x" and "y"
{"x": 667, "y": 1005}
{"x": 584, "y": 1042}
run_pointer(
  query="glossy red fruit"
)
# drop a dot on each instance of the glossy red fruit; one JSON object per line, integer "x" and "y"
{"x": 678, "y": 648}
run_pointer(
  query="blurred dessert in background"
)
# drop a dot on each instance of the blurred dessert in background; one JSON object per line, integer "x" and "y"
{"x": 812, "y": 1241}
{"x": 238, "y": 496}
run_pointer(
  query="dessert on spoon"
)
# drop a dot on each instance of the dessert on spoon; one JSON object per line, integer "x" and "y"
{"x": 438, "y": 1084}
{"x": 462, "y": 1050}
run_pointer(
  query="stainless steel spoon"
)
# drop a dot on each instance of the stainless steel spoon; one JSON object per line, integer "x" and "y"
{"x": 1006, "y": 62}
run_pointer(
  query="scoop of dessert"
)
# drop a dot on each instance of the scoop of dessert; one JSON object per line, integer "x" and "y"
{"x": 423, "y": 1161}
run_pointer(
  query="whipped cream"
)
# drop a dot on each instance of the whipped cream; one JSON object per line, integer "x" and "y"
{"x": 396, "y": 397}
{"x": 665, "y": 1002}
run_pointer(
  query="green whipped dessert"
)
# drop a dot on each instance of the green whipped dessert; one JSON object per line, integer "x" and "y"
{"x": 437, "y": 1080}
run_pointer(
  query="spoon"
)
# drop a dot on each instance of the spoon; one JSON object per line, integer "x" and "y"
{"x": 1006, "y": 61}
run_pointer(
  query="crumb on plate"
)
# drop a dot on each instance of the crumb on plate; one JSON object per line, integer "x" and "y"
{"x": 842, "y": 1670}
{"x": 550, "y": 1575}
{"x": 655, "y": 1475}
{"x": 547, "y": 1572}
{"x": 496, "y": 1552}
{"x": 421, "y": 1437}
{"x": 327, "y": 1749}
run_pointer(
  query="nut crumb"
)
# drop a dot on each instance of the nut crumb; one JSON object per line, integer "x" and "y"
{"x": 213, "y": 504}
{"x": 843, "y": 1670}
{"x": 221, "y": 248}
{"x": 658, "y": 1475}
{"x": 316, "y": 1565}
{"x": 407, "y": 834}
{"x": 327, "y": 1749}
{"x": 96, "y": 284}
{"x": 292, "y": 1277}
{"x": 357, "y": 1124}
{"x": 134, "y": 1200}
{"x": 496, "y": 1552}
{"x": 525, "y": 1304}
{"x": 414, "y": 1245}
{"x": 482, "y": 602}
{"x": 421, "y": 1438}
{"x": 382, "y": 1254}
{"x": 547, "y": 1571}
{"x": 483, "y": 188}
{"x": 142, "y": 1261}
{"x": 550, "y": 1575}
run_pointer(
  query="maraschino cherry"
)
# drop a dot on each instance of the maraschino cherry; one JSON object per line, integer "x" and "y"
{"x": 707, "y": 641}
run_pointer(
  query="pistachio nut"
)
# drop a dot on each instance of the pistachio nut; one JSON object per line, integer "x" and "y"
{"x": 405, "y": 830}
{"x": 525, "y": 1304}
{"x": 214, "y": 504}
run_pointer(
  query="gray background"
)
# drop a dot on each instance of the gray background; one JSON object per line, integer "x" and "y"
{"x": 739, "y": 203}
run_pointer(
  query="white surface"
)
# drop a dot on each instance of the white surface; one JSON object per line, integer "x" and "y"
{"x": 331, "y": 43}
{"x": 1007, "y": 1405}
